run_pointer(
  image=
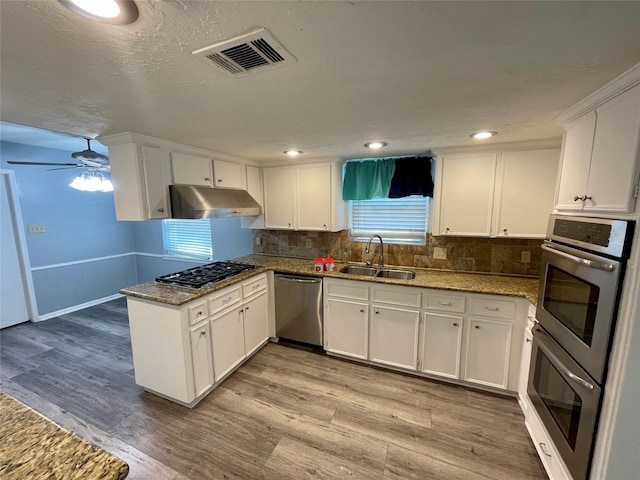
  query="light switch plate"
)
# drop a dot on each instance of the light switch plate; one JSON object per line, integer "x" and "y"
{"x": 309, "y": 243}
{"x": 439, "y": 253}
{"x": 525, "y": 257}
{"x": 36, "y": 228}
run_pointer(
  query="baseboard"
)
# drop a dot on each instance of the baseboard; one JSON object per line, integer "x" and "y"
{"x": 75, "y": 308}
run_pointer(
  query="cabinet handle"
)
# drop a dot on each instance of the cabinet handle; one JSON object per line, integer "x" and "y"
{"x": 477, "y": 327}
{"x": 199, "y": 313}
{"x": 493, "y": 309}
{"x": 446, "y": 230}
{"x": 362, "y": 310}
{"x": 455, "y": 324}
{"x": 219, "y": 180}
{"x": 543, "y": 447}
{"x": 289, "y": 224}
{"x": 207, "y": 179}
{"x": 528, "y": 340}
{"x": 587, "y": 197}
{"x": 584, "y": 198}
{"x": 203, "y": 333}
{"x": 504, "y": 230}
{"x": 576, "y": 198}
{"x": 161, "y": 210}
{"x": 246, "y": 308}
{"x": 446, "y": 304}
{"x": 377, "y": 312}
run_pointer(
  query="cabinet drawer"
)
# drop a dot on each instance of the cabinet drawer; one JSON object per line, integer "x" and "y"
{"x": 347, "y": 289}
{"x": 198, "y": 312}
{"x": 444, "y": 303}
{"x": 492, "y": 308}
{"x": 224, "y": 299}
{"x": 254, "y": 285}
{"x": 405, "y": 296}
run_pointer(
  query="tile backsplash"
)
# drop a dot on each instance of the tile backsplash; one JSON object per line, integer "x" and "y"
{"x": 470, "y": 254}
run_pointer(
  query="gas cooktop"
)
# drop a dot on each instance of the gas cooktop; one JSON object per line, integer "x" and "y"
{"x": 204, "y": 275}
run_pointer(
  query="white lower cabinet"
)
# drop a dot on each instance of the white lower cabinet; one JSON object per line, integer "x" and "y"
{"x": 201, "y": 358}
{"x": 487, "y": 352}
{"x": 346, "y": 327}
{"x": 394, "y": 336}
{"x": 181, "y": 353}
{"x": 441, "y": 344}
{"x": 256, "y": 329}
{"x": 469, "y": 337}
{"x": 227, "y": 341}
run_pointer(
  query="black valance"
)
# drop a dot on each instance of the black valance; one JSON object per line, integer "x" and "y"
{"x": 412, "y": 177}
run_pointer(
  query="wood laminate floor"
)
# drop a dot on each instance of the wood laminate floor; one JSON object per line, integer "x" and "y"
{"x": 285, "y": 414}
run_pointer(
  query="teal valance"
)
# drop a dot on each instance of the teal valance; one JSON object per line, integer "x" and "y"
{"x": 367, "y": 179}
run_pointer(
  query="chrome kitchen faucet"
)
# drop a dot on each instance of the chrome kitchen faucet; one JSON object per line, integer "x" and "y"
{"x": 367, "y": 249}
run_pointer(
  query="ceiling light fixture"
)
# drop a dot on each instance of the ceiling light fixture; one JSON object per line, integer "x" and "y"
{"x": 293, "y": 153}
{"x": 92, "y": 182}
{"x": 483, "y": 135}
{"x": 117, "y": 12}
{"x": 375, "y": 145}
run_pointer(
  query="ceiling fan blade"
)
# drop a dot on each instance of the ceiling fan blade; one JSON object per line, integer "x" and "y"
{"x": 15, "y": 162}
{"x": 64, "y": 168}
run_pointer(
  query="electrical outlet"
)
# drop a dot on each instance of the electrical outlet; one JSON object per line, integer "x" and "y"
{"x": 37, "y": 228}
{"x": 258, "y": 241}
{"x": 525, "y": 257}
{"x": 309, "y": 243}
{"x": 439, "y": 253}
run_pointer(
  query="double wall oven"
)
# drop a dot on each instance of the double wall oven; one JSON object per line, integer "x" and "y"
{"x": 583, "y": 263}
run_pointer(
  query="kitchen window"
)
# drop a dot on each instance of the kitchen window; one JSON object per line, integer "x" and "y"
{"x": 397, "y": 220}
{"x": 187, "y": 239}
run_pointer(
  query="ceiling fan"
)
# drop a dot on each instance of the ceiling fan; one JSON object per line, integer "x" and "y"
{"x": 88, "y": 159}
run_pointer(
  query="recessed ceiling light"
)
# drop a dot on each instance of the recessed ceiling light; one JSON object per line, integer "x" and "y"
{"x": 293, "y": 153}
{"x": 375, "y": 145}
{"x": 118, "y": 12}
{"x": 483, "y": 135}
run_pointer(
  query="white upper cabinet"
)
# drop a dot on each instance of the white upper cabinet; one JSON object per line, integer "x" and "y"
{"x": 228, "y": 175}
{"x": 140, "y": 175}
{"x": 304, "y": 197}
{"x": 466, "y": 194}
{"x": 254, "y": 187}
{"x": 599, "y": 169}
{"x": 496, "y": 194}
{"x": 525, "y": 192}
{"x": 279, "y": 197}
{"x": 191, "y": 169}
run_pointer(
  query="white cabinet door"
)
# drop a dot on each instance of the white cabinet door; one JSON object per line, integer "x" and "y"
{"x": 487, "y": 352}
{"x": 576, "y": 157}
{"x": 201, "y": 358}
{"x": 228, "y": 175}
{"x": 256, "y": 322}
{"x": 191, "y": 169}
{"x": 346, "y": 328}
{"x": 441, "y": 344}
{"x": 155, "y": 182}
{"x": 279, "y": 193}
{"x": 613, "y": 172}
{"x": 314, "y": 197}
{"x": 466, "y": 196}
{"x": 394, "y": 336}
{"x": 227, "y": 341}
{"x": 526, "y": 192}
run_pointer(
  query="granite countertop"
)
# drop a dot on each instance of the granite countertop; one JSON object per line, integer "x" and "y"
{"x": 31, "y": 446}
{"x": 488, "y": 283}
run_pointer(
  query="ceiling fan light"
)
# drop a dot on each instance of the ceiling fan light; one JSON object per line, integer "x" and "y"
{"x": 91, "y": 182}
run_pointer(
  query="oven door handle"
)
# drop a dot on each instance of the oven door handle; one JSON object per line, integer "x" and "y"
{"x": 559, "y": 365}
{"x": 607, "y": 267}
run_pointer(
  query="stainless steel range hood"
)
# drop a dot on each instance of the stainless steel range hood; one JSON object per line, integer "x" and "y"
{"x": 191, "y": 201}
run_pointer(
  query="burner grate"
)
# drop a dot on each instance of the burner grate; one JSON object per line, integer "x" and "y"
{"x": 203, "y": 275}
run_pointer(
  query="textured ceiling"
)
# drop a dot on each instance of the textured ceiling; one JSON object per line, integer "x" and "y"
{"x": 418, "y": 75}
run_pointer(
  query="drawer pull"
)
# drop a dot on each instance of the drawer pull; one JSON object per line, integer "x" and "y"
{"x": 448, "y": 304}
{"x": 493, "y": 309}
{"x": 377, "y": 312}
{"x": 203, "y": 333}
{"x": 477, "y": 327}
{"x": 455, "y": 324}
{"x": 200, "y": 313}
{"x": 528, "y": 340}
{"x": 362, "y": 310}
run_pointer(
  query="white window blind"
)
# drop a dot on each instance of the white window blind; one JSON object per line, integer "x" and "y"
{"x": 397, "y": 220}
{"x": 188, "y": 238}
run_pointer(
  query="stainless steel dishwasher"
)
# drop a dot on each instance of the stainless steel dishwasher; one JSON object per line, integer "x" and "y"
{"x": 299, "y": 308}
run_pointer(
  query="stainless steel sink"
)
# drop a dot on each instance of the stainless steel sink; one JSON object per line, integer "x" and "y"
{"x": 378, "y": 272}
{"x": 356, "y": 270}
{"x": 399, "y": 274}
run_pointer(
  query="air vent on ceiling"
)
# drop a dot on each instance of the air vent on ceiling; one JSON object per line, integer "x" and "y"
{"x": 251, "y": 52}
